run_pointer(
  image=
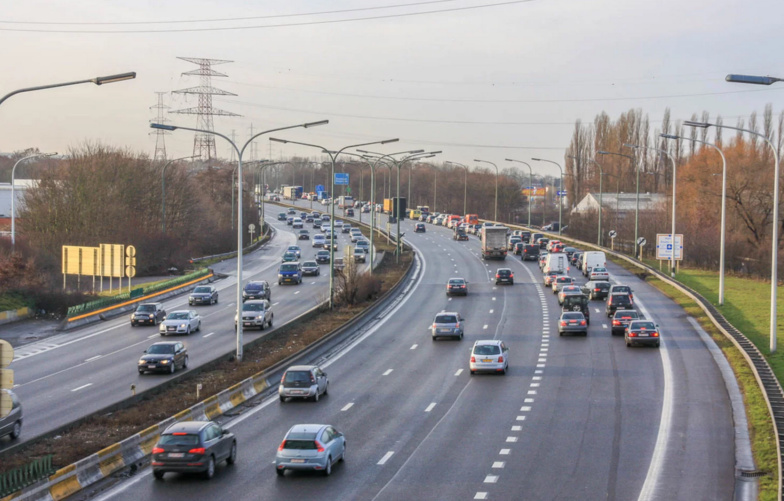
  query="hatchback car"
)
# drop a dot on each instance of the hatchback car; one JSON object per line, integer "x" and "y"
{"x": 618, "y": 302}
{"x": 295, "y": 249}
{"x": 576, "y": 259}
{"x": 346, "y": 228}
{"x": 512, "y": 241}
{"x": 622, "y": 318}
{"x": 322, "y": 256}
{"x": 296, "y": 223}
{"x": 203, "y": 294}
{"x": 303, "y": 235}
{"x": 598, "y": 273}
{"x": 291, "y": 211}
{"x": 256, "y": 289}
{"x": 317, "y": 223}
{"x": 457, "y": 286}
{"x": 596, "y": 289}
{"x": 490, "y": 355}
{"x": 11, "y": 423}
{"x": 290, "y": 221}
{"x": 420, "y": 228}
{"x": 307, "y": 382}
{"x": 338, "y": 224}
{"x": 180, "y": 322}
{"x": 504, "y": 276}
{"x": 311, "y": 268}
{"x": 642, "y": 332}
{"x": 364, "y": 245}
{"x": 572, "y": 322}
{"x": 164, "y": 356}
{"x": 559, "y": 282}
{"x": 567, "y": 290}
{"x": 193, "y": 447}
{"x": 530, "y": 253}
{"x": 148, "y": 314}
{"x": 310, "y": 447}
{"x": 256, "y": 313}
{"x": 447, "y": 324}
{"x": 356, "y": 235}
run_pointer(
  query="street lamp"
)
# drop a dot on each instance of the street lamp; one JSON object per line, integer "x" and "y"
{"x": 332, "y": 157}
{"x": 560, "y": 199}
{"x": 163, "y": 188}
{"x": 97, "y": 81}
{"x": 239, "y": 203}
{"x": 530, "y": 182}
{"x": 13, "y": 193}
{"x": 774, "y": 232}
{"x": 637, "y": 189}
{"x": 750, "y": 79}
{"x": 723, "y": 205}
{"x": 495, "y": 215}
{"x": 465, "y": 185}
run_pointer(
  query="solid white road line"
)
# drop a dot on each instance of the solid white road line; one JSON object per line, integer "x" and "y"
{"x": 152, "y": 336}
{"x": 386, "y": 457}
{"x": 387, "y": 372}
{"x": 296, "y": 292}
{"x": 430, "y": 407}
{"x": 82, "y": 387}
{"x": 347, "y": 406}
{"x": 93, "y": 358}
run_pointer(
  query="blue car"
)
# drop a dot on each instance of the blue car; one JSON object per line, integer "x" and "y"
{"x": 289, "y": 273}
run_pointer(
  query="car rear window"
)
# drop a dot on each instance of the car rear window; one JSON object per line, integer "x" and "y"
{"x": 446, "y": 319}
{"x": 487, "y": 349}
{"x": 572, "y": 316}
{"x": 300, "y": 444}
{"x": 626, "y": 314}
{"x": 295, "y": 376}
{"x": 645, "y": 325}
{"x": 602, "y": 285}
{"x": 562, "y": 280}
{"x": 456, "y": 282}
{"x": 169, "y": 439}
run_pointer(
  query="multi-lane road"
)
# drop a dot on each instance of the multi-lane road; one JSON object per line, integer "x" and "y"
{"x": 574, "y": 417}
{"x": 71, "y": 375}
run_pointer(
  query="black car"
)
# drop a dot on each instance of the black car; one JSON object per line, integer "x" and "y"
{"x": 596, "y": 289}
{"x": 420, "y": 228}
{"x": 457, "y": 286}
{"x": 349, "y": 212}
{"x": 622, "y": 319}
{"x": 317, "y": 223}
{"x": 322, "y": 256}
{"x": 346, "y": 228}
{"x": 569, "y": 252}
{"x": 623, "y": 289}
{"x": 460, "y": 235}
{"x": 303, "y": 235}
{"x": 148, "y": 314}
{"x": 164, "y": 356}
{"x": 291, "y": 211}
{"x": 504, "y": 276}
{"x": 257, "y": 289}
{"x": 618, "y": 302}
{"x": 576, "y": 259}
{"x": 518, "y": 249}
{"x": 309, "y": 219}
{"x": 535, "y": 237}
{"x": 526, "y": 236}
{"x": 193, "y": 447}
{"x": 530, "y": 252}
{"x": 203, "y": 294}
{"x": 281, "y": 216}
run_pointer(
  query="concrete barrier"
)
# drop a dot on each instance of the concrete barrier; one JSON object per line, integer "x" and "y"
{"x": 6, "y": 317}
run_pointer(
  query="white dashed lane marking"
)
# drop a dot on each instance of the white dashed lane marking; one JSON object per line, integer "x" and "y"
{"x": 82, "y": 387}
{"x": 208, "y": 335}
{"x": 484, "y": 326}
{"x": 347, "y": 406}
{"x": 480, "y": 495}
{"x": 430, "y": 407}
{"x": 386, "y": 457}
{"x": 459, "y": 371}
{"x": 414, "y": 347}
{"x": 387, "y": 372}
{"x": 504, "y": 452}
{"x": 491, "y": 479}
{"x": 511, "y": 439}
{"x": 498, "y": 464}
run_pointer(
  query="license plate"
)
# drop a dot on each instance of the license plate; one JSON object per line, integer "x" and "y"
{"x": 487, "y": 360}
{"x": 297, "y": 460}
{"x": 172, "y": 328}
{"x": 298, "y": 392}
{"x": 150, "y": 366}
{"x": 176, "y": 454}
{"x": 642, "y": 334}
{"x": 248, "y": 324}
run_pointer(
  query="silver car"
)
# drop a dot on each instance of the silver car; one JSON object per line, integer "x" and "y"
{"x": 181, "y": 322}
{"x": 489, "y": 355}
{"x": 319, "y": 241}
{"x": 303, "y": 381}
{"x": 447, "y": 324}
{"x": 560, "y": 282}
{"x": 311, "y": 268}
{"x": 364, "y": 245}
{"x": 572, "y": 322}
{"x": 310, "y": 447}
{"x": 256, "y": 313}
{"x": 296, "y": 250}
{"x": 11, "y": 424}
{"x": 356, "y": 234}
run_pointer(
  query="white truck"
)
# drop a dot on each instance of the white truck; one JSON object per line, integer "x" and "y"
{"x": 494, "y": 242}
{"x": 592, "y": 259}
{"x": 556, "y": 262}
{"x": 345, "y": 202}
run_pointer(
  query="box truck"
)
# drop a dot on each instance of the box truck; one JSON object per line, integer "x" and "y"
{"x": 494, "y": 242}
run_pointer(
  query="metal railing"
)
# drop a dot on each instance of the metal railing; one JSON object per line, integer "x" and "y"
{"x": 19, "y": 478}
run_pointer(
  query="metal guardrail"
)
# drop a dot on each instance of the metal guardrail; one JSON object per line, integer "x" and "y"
{"x": 19, "y": 478}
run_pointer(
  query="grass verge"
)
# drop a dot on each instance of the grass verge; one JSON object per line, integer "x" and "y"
{"x": 100, "y": 431}
{"x": 14, "y": 301}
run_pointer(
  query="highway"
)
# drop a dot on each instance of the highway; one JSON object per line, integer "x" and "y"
{"x": 70, "y": 375}
{"x": 574, "y": 418}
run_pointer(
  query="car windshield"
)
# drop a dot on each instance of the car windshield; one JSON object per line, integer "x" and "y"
{"x": 323, "y": 253}
{"x": 487, "y": 349}
{"x": 293, "y": 248}
{"x": 446, "y": 319}
{"x": 253, "y": 287}
{"x": 161, "y": 349}
{"x": 620, "y": 298}
{"x": 202, "y": 290}
{"x": 297, "y": 376}
{"x": 253, "y": 307}
{"x": 288, "y": 267}
{"x": 644, "y": 325}
{"x": 177, "y": 315}
{"x": 145, "y": 308}
{"x": 171, "y": 439}
{"x": 572, "y": 316}
{"x": 310, "y": 264}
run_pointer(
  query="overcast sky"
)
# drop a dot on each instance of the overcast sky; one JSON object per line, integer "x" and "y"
{"x": 490, "y": 83}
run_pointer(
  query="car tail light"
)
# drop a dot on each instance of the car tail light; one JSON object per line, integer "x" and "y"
{"x": 563, "y": 323}
{"x": 654, "y": 334}
{"x": 501, "y": 359}
{"x": 457, "y": 325}
{"x": 596, "y": 290}
{"x": 473, "y": 360}
{"x": 582, "y": 322}
{"x": 497, "y": 275}
{"x": 157, "y": 450}
{"x": 319, "y": 447}
{"x": 434, "y": 326}
{"x": 282, "y": 446}
{"x": 616, "y": 322}
{"x": 632, "y": 334}
{"x": 197, "y": 450}
{"x": 511, "y": 276}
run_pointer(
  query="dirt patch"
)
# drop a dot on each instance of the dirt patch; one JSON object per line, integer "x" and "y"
{"x": 98, "y": 432}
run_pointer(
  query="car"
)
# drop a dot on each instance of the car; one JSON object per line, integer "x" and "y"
{"x": 572, "y": 322}
{"x": 549, "y": 277}
{"x": 535, "y": 238}
{"x": 560, "y": 281}
{"x": 309, "y": 219}
{"x": 363, "y": 244}
{"x": 296, "y": 250}
{"x": 325, "y": 217}
{"x": 642, "y": 332}
{"x": 625, "y": 289}
{"x": 327, "y": 229}
{"x": 489, "y": 355}
{"x": 180, "y": 322}
{"x": 504, "y": 276}
{"x": 569, "y": 251}
{"x": 596, "y": 289}
{"x": 290, "y": 273}
{"x": 193, "y": 447}
{"x": 576, "y": 259}
{"x": 526, "y": 236}
{"x": 551, "y": 244}
{"x": 256, "y": 313}
{"x": 457, "y": 286}
{"x": 530, "y": 252}
{"x": 310, "y": 447}
{"x": 290, "y": 221}
{"x": 366, "y": 208}
{"x": 349, "y": 212}
{"x": 542, "y": 259}
{"x": 447, "y": 324}
{"x": 11, "y": 423}
{"x": 281, "y": 216}
{"x": 359, "y": 255}
{"x": 311, "y": 268}
{"x": 303, "y": 235}
{"x": 303, "y": 215}
{"x": 296, "y": 223}
{"x": 618, "y": 302}
{"x": 577, "y": 302}
{"x": 543, "y": 241}
{"x": 203, "y": 294}
{"x": 257, "y": 289}
{"x": 289, "y": 257}
{"x": 322, "y": 256}
{"x": 148, "y": 314}
{"x": 518, "y": 248}
{"x": 512, "y": 241}
{"x": 346, "y": 228}
{"x": 338, "y": 223}
{"x": 338, "y": 264}
{"x": 568, "y": 290}
{"x": 621, "y": 320}
{"x": 420, "y": 228}
{"x": 317, "y": 223}
{"x": 307, "y": 382}
{"x": 356, "y": 235}
{"x": 319, "y": 240}
{"x": 291, "y": 211}
{"x": 329, "y": 242}
{"x": 598, "y": 273}
{"x": 164, "y": 356}
{"x": 460, "y": 235}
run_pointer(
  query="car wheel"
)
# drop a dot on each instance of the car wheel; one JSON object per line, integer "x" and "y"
{"x": 328, "y": 469}
{"x": 233, "y": 454}
{"x": 560, "y": 333}
{"x": 503, "y": 371}
{"x": 657, "y": 343}
{"x": 279, "y": 282}
{"x": 279, "y": 471}
{"x": 17, "y": 429}
{"x": 270, "y": 322}
{"x": 282, "y": 398}
{"x": 316, "y": 396}
{"x": 188, "y": 331}
{"x": 198, "y": 327}
{"x": 185, "y": 362}
{"x": 343, "y": 454}
{"x": 172, "y": 368}
{"x": 163, "y": 334}
{"x": 628, "y": 344}
{"x": 210, "y": 471}
{"x": 158, "y": 475}
{"x": 326, "y": 389}
{"x": 318, "y": 272}
{"x": 472, "y": 372}
{"x": 261, "y": 327}
{"x": 133, "y": 324}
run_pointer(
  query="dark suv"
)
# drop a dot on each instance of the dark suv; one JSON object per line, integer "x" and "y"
{"x": 596, "y": 289}
{"x": 193, "y": 447}
{"x": 618, "y": 302}
{"x": 148, "y": 314}
{"x": 530, "y": 252}
{"x": 578, "y": 302}
{"x": 504, "y": 276}
{"x": 257, "y": 289}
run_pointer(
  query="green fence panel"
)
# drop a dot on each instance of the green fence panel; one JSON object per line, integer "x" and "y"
{"x": 28, "y": 474}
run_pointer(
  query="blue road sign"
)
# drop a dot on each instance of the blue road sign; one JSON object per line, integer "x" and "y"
{"x": 341, "y": 178}
{"x": 561, "y": 193}
{"x": 320, "y": 187}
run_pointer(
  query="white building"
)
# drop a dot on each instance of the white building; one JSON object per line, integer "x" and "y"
{"x": 20, "y": 186}
{"x": 621, "y": 203}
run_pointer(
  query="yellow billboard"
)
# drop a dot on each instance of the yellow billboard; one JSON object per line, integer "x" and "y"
{"x": 81, "y": 260}
{"x": 112, "y": 260}
{"x": 534, "y": 192}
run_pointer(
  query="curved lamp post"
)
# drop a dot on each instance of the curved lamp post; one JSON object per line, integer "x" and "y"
{"x": 97, "y": 81}
{"x": 560, "y": 200}
{"x": 530, "y": 181}
{"x": 240, "y": 152}
{"x": 495, "y": 215}
{"x": 332, "y": 157}
{"x": 13, "y": 192}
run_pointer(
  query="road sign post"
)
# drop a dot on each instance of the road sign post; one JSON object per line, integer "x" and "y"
{"x": 130, "y": 265}
{"x": 612, "y": 235}
{"x": 641, "y": 242}
{"x": 251, "y": 229}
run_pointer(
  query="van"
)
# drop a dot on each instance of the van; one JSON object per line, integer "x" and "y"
{"x": 592, "y": 259}
{"x": 556, "y": 262}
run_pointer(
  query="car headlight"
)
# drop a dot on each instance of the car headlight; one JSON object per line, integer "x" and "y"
{"x": 260, "y": 317}
{"x": 142, "y": 362}
{"x": 165, "y": 361}
{"x": 152, "y": 316}
{"x": 182, "y": 326}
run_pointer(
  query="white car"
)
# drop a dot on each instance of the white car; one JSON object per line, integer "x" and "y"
{"x": 599, "y": 273}
{"x": 489, "y": 355}
{"x": 319, "y": 241}
{"x": 338, "y": 224}
{"x": 364, "y": 245}
{"x": 180, "y": 322}
{"x": 356, "y": 234}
